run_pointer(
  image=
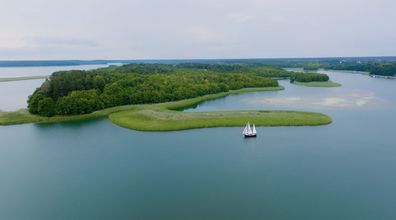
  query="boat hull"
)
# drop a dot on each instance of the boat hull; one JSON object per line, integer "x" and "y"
{"x": 250, "y": 135}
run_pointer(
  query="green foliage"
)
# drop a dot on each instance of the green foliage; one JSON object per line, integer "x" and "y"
{"x": 33, "y": 101}
{"x": 82, "y": 92}
{"x": 143, "y": 68}
{"x": 166, "y": 116}
{"x": 384, "y": 69}
{"x": 272, "y": 72}
{"x": 308, "y": 77}
{"x": 46, "y": 107}
{"x": 61, "y": 83}
{"x": 79, "y": 102}
{"x": 218, "y": 67}
{"x": 385, "y": 66}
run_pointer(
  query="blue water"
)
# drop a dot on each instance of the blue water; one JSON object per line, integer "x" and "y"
{"x": 96, "y": 170}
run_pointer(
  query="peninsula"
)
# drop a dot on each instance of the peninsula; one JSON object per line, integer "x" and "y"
{"x": 150, "y": 97}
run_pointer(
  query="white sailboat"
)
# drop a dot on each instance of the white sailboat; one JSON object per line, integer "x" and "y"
{"x": 249, "y": 132}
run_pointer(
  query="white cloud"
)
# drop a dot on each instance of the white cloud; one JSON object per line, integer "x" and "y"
{"x": 103, "y": 29}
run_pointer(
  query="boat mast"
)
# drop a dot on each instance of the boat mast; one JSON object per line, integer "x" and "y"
{"x": 249, "y": 130}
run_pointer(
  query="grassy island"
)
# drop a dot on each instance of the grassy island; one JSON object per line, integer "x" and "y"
{"x": 166, "y": 117}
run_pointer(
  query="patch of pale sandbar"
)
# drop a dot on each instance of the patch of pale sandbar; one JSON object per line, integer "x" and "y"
{"x": 356, "y": 99}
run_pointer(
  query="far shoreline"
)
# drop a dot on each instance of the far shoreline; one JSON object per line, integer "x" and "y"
{"x": 22, "y": 78}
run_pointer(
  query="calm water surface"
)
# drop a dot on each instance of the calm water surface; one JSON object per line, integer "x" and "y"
{"x": 96, "y": 170}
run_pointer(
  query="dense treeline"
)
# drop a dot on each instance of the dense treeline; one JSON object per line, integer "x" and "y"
{"x": 218, "y": 67}
{"x": 384, "y": 69}
{"x": 271, "y": 72}
{"x": 293, "y": 76}
{"x": 81, "y": 92}
{"x": 141, "y": 68}
{"x": 308, "y": 77}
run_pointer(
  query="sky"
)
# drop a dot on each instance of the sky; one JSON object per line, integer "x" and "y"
{"x": 194, "y": 29}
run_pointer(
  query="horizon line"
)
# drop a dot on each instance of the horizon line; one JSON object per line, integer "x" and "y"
{"x": 175, "y": 59}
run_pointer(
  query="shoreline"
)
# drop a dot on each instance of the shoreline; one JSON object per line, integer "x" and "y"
{"x": 22, "y": 116}
{"x": 169, "y": 116}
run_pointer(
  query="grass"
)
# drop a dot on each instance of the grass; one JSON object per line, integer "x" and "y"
{"x": 168, "y": 117}
{"x": 23, "y": 116}
{"x": 8, "y": 79}
{"x": 318, "y": 84}
{"x": 162, "y": 119}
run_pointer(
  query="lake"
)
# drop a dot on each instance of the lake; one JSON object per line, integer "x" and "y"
{"x": 96, "y": 170}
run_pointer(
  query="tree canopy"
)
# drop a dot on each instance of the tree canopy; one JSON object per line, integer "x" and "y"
{"x": 81, "y": 92}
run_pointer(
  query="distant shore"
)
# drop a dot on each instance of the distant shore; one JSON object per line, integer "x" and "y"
{"x": 9, "y": 79}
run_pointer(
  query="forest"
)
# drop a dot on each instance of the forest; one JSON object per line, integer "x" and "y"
{"x": 80, "y": 92}
{"x": 383, "y": 69}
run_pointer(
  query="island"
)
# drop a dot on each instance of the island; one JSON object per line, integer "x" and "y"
{"x": 309, "y": 79}
{"x": 151, "y": 97}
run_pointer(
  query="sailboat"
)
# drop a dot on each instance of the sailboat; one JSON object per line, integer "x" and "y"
{"x": 249, "y": 132}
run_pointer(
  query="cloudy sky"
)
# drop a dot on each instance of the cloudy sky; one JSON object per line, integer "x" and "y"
{"x": 167, "y": 29}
